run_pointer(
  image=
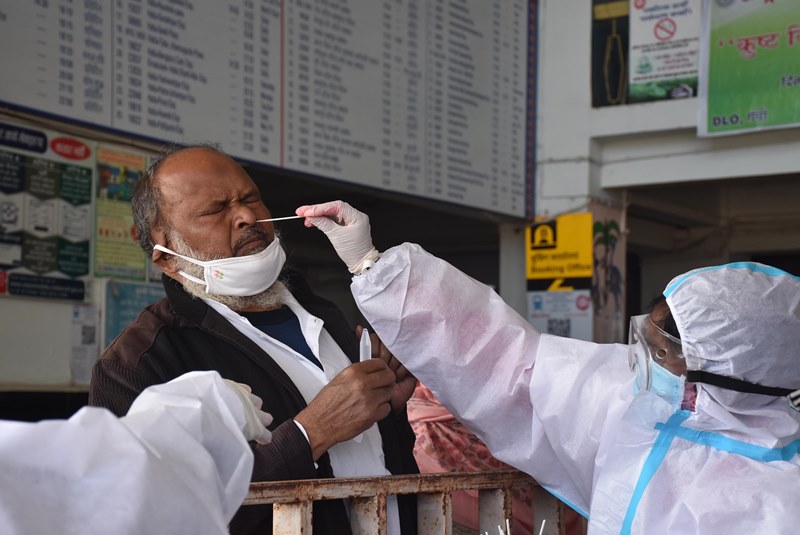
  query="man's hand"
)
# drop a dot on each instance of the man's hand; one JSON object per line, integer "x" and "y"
{"x": 347, "y": 406}
{"x": 346, "y": 228}
{"x": 404, "y": 383}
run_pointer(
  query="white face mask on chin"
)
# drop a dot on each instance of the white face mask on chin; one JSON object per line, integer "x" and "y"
{"x": 238, "y": 275}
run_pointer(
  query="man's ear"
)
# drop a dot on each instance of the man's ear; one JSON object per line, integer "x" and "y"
{"x": 164, "y": 261}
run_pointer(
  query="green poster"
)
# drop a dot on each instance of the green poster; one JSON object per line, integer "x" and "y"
{"x": 750, "y": 78}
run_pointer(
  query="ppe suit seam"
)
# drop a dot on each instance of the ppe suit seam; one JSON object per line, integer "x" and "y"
{"x": 654, "y": 459}
{"x": 738, "y": 447}
{"x": 771, "y": 272}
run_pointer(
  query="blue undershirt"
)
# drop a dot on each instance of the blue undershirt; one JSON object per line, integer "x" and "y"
{"x": 282, "y": 324}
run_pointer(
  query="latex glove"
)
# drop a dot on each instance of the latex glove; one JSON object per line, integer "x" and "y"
{"x": 256, "y": 420}
{"x": 347, "y": 229}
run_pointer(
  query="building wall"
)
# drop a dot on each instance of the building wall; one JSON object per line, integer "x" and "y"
{"x": 689, "y": 201}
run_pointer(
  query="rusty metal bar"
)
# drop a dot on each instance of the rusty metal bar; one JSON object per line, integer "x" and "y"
{"x": 355, "y": 487}
{"x": 368, "y": 515}
{"x": 546, "y": 508}
{"x": 291, "y": 517}
{"x": 434, "y": 513}
{"x": 292, "y": 501}
{"x": 494, "y": 507}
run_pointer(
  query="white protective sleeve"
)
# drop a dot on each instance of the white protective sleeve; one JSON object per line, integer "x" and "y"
{"x": 477, "y": 356}
{"x": 176, "y": 463}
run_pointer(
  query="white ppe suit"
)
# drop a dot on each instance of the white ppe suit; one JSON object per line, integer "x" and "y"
{"x": 564, "y": 411}
{"x": 178, "y": 462}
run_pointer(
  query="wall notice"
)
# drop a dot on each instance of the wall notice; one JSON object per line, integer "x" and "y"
{"x": 85, "y": 348}
{"x": 123, "y": 302}
{"x": 664, "y": 49}
{"x": 118, "y": 254}
{"x": 559, "y": 267}
{"x": 46, "y": 182}
{"x": 750, "y": 76}
{"x": 418, "y": 97}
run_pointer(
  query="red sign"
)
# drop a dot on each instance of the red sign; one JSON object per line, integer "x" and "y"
{"x": 70, "y": 148}
{"x": 665, "y": 29}
{"x": 639, "y": 4}
{"x": 583, "y": 302}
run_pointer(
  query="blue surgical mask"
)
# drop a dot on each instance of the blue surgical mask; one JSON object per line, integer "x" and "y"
{"x": 667, "y": 386}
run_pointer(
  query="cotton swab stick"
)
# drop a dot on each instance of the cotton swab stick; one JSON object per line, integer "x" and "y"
{"x": 542, "y": 528}
{"x": 278, "y": 218}
{"x": 500, "y": 529}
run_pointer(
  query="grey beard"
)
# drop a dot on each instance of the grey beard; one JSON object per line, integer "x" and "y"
{"x": 270, "y": 299}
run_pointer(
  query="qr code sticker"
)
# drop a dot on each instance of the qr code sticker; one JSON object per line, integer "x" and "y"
{"x": 559, "y": 327}
{"x": 88, "y": 333}
{"x": 9, "y": 213}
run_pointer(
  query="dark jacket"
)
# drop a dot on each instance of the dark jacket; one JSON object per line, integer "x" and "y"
{"x": 180, "y": 334}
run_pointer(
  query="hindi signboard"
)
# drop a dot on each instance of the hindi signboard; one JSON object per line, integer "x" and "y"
{"x": 559, "y": 266}
{"x": 750, "y": 75}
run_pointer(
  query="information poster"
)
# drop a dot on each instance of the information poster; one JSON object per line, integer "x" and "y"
{"x": 414, "y": 96}
{"x": 562, "y": 313}
{"x": 664, "y": 49}
{"x": 45, "y": 212}
{"x": 750, "y": 78}
{"x": 85, "y": 347}
{"x": 559, "y": 266}
{"x": 123, "y": 303}
{"x": 117, "y": 252}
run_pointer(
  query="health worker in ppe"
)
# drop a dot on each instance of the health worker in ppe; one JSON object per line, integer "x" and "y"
{"x": 684, "y": 432}
{"x": 177, "y": 462}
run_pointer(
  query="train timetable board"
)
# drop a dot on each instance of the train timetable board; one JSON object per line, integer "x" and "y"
{"x": 425, "y": 97}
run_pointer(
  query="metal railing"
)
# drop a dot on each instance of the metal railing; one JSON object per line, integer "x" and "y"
{"x": 292, "y": 501}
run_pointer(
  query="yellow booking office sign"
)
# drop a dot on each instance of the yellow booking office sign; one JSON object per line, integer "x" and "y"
{"x": 558, "y": 253}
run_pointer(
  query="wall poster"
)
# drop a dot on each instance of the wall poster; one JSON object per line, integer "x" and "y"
{"x": 664, "y": 49}
{"x": 750, "y": 77}
{"x": 118, "y": 254}
{"x": 46, "y": 180}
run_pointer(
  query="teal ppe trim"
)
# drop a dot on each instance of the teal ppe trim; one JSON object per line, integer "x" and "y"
{"x": 752, "y": 266}
{"x": 651, "y": 464}
{"x": 751, "y": 451}
{"x": 671, "y": 429}
{"x": 569, "y": 503}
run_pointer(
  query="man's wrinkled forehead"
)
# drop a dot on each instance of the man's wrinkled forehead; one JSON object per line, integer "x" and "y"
{"x": 196, "y": 162}
{"x": 200, "y": 175}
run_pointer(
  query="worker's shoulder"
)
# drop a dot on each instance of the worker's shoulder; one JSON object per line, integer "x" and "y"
{"x": 140, "y": 336}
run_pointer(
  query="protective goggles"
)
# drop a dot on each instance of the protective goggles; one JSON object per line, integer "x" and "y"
{"x": 648, "y": 343}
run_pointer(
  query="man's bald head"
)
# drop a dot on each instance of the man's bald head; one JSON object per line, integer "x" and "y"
{"x": 146, "y": 199}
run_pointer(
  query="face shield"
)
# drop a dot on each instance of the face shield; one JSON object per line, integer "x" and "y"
{"x": 649, "y": 344}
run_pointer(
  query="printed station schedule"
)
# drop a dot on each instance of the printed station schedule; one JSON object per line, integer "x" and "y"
{"x": 420, "y": 97}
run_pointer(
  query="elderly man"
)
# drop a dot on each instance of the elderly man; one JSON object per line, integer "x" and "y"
{"x": 231, "y": 307}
